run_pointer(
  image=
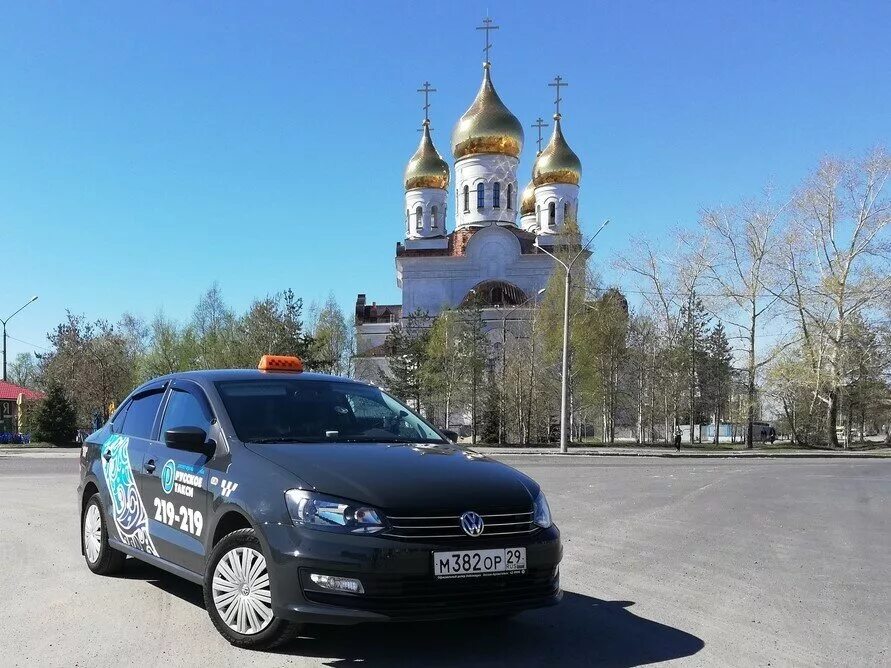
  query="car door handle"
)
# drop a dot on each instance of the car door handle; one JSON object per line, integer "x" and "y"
{"x": 150, "y": 466}
{"x": 107, "y": 455}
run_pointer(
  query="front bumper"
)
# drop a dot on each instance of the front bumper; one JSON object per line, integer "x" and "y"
{"x": 398, "y": 577}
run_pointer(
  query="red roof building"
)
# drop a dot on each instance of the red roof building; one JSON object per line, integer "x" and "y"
{"x": 9, "y": 409}
{"x": 10, "y": 392}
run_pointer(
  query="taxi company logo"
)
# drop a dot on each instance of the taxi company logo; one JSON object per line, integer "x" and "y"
{"x": 472, "y": 523}
{"x": 168, "y": 473}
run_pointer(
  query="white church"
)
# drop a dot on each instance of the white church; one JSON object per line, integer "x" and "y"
{"x": 493, "y": 254}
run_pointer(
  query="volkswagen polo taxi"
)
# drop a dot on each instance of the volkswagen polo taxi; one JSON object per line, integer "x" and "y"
{"x": 297, "y": 497}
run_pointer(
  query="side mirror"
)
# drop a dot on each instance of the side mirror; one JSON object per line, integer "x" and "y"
{"x": 451, "y": 435}
{"x": 193, "y": 439}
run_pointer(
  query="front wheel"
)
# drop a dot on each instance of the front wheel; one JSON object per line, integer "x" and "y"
{"x": 238, "y": 595}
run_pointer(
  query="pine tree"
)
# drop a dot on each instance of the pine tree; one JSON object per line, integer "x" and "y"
{"x": 55, "y": 421}
{"x": 474, "y": 358}
{"x": 716, "y": 374}
{"x": 695, "y": 320}
{"x": 406, "y": 348}
{"x": 490, "y": 421}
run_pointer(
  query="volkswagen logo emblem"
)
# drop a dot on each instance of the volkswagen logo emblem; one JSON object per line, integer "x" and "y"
{"x": 472, "y": 523}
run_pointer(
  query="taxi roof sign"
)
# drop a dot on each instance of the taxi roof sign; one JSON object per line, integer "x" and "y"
{"x": 280, "y": 363}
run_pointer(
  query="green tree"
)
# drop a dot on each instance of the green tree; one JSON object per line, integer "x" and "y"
{"x": 474, "y": 357}
{"x": 490, "y": 421}
{"x": 92, "y": 362}
{"x": 406, "y": 344}
{"x": 333, "y": 343}
{"x": 441, "y": 372}
{"x": 214, "y": 329}
{"x": 716, "y": 372}
{"x": 273, "y": 326}
{"x": 865, "y": 397}
{"x": 171, "y": 348}
{"x": 602, "y": 353}
{"x": 55, "y": 420}
{"x": 694, "y": 322}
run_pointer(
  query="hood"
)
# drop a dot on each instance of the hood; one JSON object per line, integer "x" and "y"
{"x": 405, "y": 477}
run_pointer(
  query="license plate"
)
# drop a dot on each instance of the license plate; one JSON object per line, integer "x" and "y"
{"x": 478, "y": 562}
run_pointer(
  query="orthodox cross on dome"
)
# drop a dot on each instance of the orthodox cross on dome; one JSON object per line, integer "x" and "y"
{"x": 487, "y": 26}
{"x": 426, "y": 90}
{"x": 558, "y": 83}
{"x": 539, "y": 124}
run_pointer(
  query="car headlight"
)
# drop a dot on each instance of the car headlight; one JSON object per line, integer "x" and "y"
{"x": 542, "y": 515}
{"x": 328, "y": 513}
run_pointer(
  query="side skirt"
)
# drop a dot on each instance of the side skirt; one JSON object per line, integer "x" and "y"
{"x": 157, "y": 561}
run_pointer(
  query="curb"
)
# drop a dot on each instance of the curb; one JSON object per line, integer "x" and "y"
{"x": 697, "y": 455}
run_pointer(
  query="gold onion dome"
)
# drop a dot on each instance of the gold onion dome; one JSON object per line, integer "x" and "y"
{"x": 557, "y": 163}
{"x": 426, "y": 169}
{"x": 527, "y": 201}
{"x": 487, "y": 126}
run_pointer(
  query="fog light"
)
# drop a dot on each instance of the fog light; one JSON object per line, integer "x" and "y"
{"x": 334, "y": 583}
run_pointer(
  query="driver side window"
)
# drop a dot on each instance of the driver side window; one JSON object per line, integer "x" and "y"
{"x": 184, "y": 410}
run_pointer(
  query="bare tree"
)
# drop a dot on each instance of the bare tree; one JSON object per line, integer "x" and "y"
{"x": 668, "y": 281}
{"x": 741, "y": 238}
{"x": 837, "y": 263}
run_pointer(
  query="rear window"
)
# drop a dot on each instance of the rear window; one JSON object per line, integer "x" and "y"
{"x": 141, "y": 414}
{"x": 314, "y": 411}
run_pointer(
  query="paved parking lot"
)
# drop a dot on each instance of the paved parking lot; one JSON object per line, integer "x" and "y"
{"x": 695, "y": 562}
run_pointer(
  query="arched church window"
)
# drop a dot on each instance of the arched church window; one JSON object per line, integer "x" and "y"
{"x": 565, "y": 212}
{"x": 552, "y": 213}
{"x": 496, "y": 195}
{"x": 466, "y": 199}
{"x": 433, "y": 217}
{"x": 480, "y": 196}
{"x": 407, "y": 221}
{"x": 538, "y": 214}
{"x": 419, "y": 218}
{"x": 495, "y": 293}
{"x": 510, "y": 195}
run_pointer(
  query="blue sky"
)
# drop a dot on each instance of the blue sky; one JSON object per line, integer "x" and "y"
{"x": 150, "y": 149}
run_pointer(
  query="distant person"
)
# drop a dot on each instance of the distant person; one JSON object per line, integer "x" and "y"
{"x": 677, "y": 438}
{"x": 772, "y": 435}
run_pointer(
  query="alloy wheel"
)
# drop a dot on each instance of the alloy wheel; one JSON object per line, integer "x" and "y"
{"x": 92, "y": 533}
{"x": 241, "y": 591}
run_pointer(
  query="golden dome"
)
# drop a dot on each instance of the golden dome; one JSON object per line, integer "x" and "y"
{"x": 426, "y": 169}
{"x": 557, "y": 163}
{"x": 487, "y": 126}
{"x": 527, "y": 201}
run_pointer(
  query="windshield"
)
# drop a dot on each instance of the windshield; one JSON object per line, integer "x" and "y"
{"x": 311, "y": 411}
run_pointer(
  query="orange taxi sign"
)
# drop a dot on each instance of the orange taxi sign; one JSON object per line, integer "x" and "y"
{"x": 280, "y": 363}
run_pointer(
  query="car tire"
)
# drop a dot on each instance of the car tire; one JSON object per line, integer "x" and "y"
{"x": 238, "y": 595}
{"x": 101, "y": 557}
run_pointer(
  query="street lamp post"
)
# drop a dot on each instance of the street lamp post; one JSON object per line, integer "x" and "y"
{"x": 30, "y": 301}
{"x": 564, "y": 368}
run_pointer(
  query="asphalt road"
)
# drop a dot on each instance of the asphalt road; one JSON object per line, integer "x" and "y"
{"x": 718, "y": 562}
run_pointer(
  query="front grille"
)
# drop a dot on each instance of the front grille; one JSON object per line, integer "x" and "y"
{"x": 416, "y": 597}
{"x": 437, "y": 527}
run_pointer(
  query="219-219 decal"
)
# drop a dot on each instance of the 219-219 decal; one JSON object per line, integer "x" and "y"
{"x": 130, "y": 517}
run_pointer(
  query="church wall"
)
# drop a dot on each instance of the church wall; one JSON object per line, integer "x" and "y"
{"x": 433, "y": 284}
{"x": 370, "y": 335}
